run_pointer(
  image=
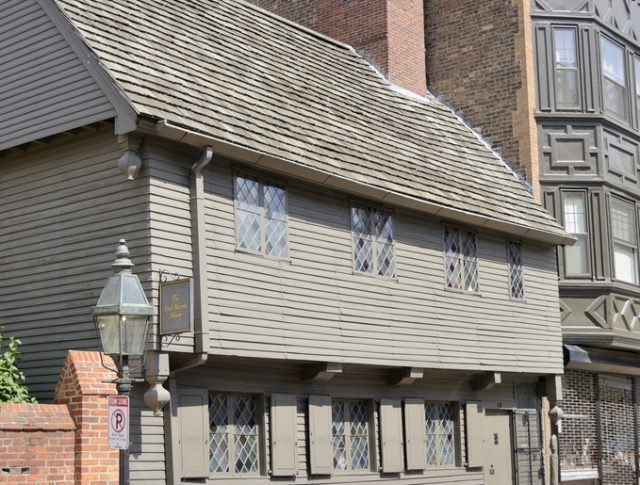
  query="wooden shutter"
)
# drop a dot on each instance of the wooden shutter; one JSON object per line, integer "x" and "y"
{"x": 321, "y": 458}
{"x": 193, "y": 414}
{"x": 391, "y": 435}
{"x": 473, "y": 425}
{"x": 415, "y": 434}
{"x": 284, "y": 432}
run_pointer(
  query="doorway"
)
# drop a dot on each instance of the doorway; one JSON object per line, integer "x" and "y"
{"x": 498, "y": 455}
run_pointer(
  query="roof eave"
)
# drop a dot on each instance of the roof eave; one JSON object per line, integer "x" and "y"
{"x": 235, "y": 152}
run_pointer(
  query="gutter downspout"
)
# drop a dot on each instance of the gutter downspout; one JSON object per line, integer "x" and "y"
{"x": 198, "y": 242}
{"x": 201, "y": 311}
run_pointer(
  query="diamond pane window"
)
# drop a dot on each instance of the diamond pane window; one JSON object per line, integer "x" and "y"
{"x": 233, "y": 434}
{"x": 460, "y": 259}
{"x": 440, "y": 434}
{"x": 350, "y": 435}
{"x": 516, "y": 278}
{"x": 261, "y": 217}
{"x": 373, "y": 248}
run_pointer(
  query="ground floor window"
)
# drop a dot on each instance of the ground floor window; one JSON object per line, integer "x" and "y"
{"x": 350, "y": 435}
{"x": 233, "y": 434}
{"x": 440, "y": 429}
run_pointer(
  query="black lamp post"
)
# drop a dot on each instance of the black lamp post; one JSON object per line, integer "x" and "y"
{"x": 122, "y": 317}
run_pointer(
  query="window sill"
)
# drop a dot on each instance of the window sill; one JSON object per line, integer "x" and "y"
{"x": 377, "y": 276}
{"x": 463, "y": 292}
{"x": 264, "y": 257}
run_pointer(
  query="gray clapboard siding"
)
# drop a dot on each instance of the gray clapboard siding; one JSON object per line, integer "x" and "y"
{"x": 44, "y": 87}
{"x": 147, "y": 437}
{"x": 64, "y": 207}
{"x": 312, "y": 306}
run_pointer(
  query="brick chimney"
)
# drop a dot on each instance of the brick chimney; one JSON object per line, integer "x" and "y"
{"x": 388, "y": 33}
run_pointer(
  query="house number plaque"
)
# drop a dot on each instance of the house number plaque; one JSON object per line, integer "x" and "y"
{"x": 176, "y": 306}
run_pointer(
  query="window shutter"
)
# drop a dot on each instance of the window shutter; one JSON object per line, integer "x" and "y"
{"x": 283, "y": 435}
{"x": 474, "y": 417}
{"x": 391, "y": 435}
{"x": 321, "y": 459}
{"x": 193, "y": 414}
{"x": 415, "y": 434}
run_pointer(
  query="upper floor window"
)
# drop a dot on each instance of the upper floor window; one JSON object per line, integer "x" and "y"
{"x": 625, "y": 241}
{"x": 373, "y": 250}
{"x": 516, "y": 278}
{"x": 566, "y": 68}
{"x": 233, "y": 434}
{"x": 261, "y": 217}
{"x": 576, "y": 261}
{"x": 350, "y": 435}
{"x": 614, "y": 83}
{"x": 461, "y": 259}
{"x": 440, "y": 430}
{"x": 636, "y": 63}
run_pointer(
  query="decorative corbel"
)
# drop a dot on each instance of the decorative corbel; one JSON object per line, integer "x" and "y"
{"x": 130, "y": 162}
{"x": 405, "y": 375}
{"x": 321, "y": 372}
{"x": 156, "y": 372}
{"x": 485, "y": 381}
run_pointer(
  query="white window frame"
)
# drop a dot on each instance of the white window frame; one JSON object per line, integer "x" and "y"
{"x": 371, "y": 442}
{"x": 559, "y": 67}
{"x": 372, "y": 237}
{"x": 580, "y": 235}
{"x": 468, "y": 262}
{"x": 437, "y": 436}
{"x": 617, "y": 242}
{"x": 262, "y": 214}
{"x": 231, "y": 398}
{"x": 620, "y": 82}
{"x": 636, "y": 70}
{"x": 515, "y": 268}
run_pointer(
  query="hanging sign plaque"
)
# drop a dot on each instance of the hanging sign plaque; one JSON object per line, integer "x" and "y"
{"x": 176, "y": 306}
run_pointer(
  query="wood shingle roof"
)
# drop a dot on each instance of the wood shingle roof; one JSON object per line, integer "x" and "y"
{"x": 233, "y": 72}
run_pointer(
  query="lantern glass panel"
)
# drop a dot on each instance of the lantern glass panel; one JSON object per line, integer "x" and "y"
{"x": 109, "y": 327}
{"x": 134, "y": 334}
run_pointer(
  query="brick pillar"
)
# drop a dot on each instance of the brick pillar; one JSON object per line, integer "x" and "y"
{"x": 82, "y": 388}
{"x": 389, "y": 33}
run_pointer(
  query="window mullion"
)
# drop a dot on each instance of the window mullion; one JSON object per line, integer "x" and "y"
{"x": 232, "y": 435}
{"x": 374, "y": 240}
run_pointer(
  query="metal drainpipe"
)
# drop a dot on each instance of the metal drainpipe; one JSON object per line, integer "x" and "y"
{"x": 198, "y": 239}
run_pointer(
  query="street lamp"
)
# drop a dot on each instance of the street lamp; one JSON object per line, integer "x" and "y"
{"x": 122, "y": 317}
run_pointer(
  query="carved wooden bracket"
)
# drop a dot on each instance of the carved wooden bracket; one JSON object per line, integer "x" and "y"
{"x": 485, "y": 381}
{"x": 405, "y": 375}
{"x": 322, "y": 371}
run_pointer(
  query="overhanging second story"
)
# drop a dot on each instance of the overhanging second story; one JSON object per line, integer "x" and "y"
{"x": 324, "y": 214}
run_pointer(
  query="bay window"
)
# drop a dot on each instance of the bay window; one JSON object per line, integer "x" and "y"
{"x": 614, "y": 82}
{"x": 566, "y": 68}
{"x": 625, "y": 241}
{"x": 576, "y": 257}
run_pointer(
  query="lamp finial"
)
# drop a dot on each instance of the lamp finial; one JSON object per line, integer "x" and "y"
{"x": 122, "y": 261}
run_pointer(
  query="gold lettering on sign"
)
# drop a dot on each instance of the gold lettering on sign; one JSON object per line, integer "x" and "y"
{"x": 176, "y": 308}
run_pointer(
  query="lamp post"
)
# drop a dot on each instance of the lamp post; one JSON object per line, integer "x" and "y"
{"x": 122, "y": 317}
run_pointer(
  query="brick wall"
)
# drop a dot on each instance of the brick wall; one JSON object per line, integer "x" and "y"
{"x": 479, "y": 59}
{"x": 36, "y": 444}
{"x": 388, "y": 33}
{"x": 65, "y": 442}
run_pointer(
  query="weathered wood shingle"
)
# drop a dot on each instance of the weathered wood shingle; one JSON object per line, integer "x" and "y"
{"x": 236, "y": 73}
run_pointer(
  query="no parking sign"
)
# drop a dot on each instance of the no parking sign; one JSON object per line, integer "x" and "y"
{"x": 118, "y": 422}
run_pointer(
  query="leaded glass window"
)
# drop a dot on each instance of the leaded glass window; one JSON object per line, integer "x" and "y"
{"x": 516, "y": 277}
{"x": 576, "y": 257}
{"x": 625, "y": 245}
{"x": 566, "y": 68}
{"x": 440, "y": 434}
{"x": 614, "y": 82}
{"x": 373, "y": 248}
{"x": 261, "y": 217}
{"x": 461, "y": 259}
{"x": 350, "y": 435}
{"x": 233, "y": 434}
